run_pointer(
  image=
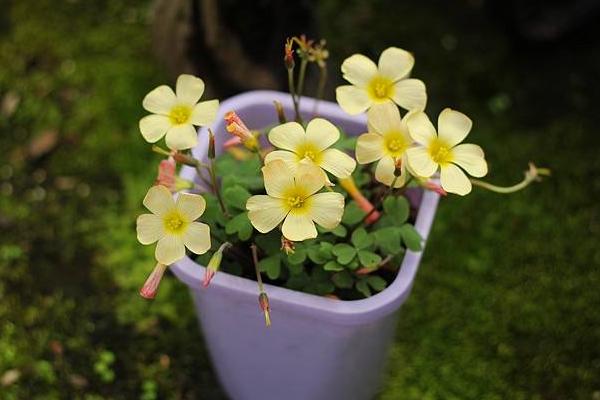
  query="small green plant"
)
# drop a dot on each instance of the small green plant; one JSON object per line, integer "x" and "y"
{"x": 300, "y": 202}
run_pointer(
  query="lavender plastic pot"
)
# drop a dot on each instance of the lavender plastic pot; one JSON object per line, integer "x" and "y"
{"x": 317, "y": 348}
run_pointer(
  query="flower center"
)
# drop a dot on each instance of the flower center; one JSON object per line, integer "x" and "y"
{"x": 180, "y": 114}
{"x": 295, "y": 201}
{"x": 309, "y": 151}
{"x": 380, "y": 88}
{"x": 395, "y": 144}
{"x": 174, "y": 222}
{"x": 440, "y": 152}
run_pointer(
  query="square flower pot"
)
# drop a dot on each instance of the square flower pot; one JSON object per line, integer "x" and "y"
{"x": 317, "y": 348}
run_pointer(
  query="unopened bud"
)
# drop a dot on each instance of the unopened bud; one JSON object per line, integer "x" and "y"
{"x": 288, "y": 57}
{"x": 166, "y": 173}
{"x": 184, "y": 159}
{"x": 287, "y": 246}
{"x": 150, "y": 288}
{"x": 214, "y": 264}
{"x": 280, "y": 113}
{"x": 434, "y": 187}
{"x": 211, "y": 145}
{"x": 364, "y": 203}
{"x": 263, "y": 301}
{"x": 237, "y": 127}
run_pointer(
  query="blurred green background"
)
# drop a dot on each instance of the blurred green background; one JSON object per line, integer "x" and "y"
{"x": 506, "y": 304}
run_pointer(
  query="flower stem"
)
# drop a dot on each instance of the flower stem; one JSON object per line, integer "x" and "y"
{"x": 301, "y": 77}
{"x": 263, "y": 299}
{"x": 213, "y": 175}
{"x": 531, "y": 175}
{"x": 292, "y": 89}
{"x": 380, "y": 200}
{"x": 320, "y": 88}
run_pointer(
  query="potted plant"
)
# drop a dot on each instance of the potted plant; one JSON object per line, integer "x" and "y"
{"x": 283, "y": 200}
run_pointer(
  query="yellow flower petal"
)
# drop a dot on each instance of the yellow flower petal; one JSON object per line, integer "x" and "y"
{"x": 204, "y": 113}
{"x": 278, "y": 178}
{"x": 410, "y": 94}
{"x": 191, "y": 206}
{"x": 326, "y": 209}
{"x": 420, "y": 161}
{"x": 395, "y": 63}
{"x": 453, "y": 180}
{"x": 189, "y": 89}
{"x": 153, "y": 127}
{"x": 470, "y": 157}
{"x": 181, "y": 137}
{"x": 290, "y": 159}
{"x": 384, "y": 172}
{"x": 358, "y": 70}
{"x": 197, "y": 238}
{"x": 159, "y": 200}
{"x": 149, "y": 228}
{"x": 321, "y": 133}
{"x": 169, "y": 249}
{"x": 369, "y": 148}
{"x": 288, "y": 136}
{"x": 160, "y": 100}
{"x": 352, "y": 100}
{"x": 298, "y": 227}
{"x": 383, "y": 118}
{"x": 420, "y": 128}
{"x": 337, "y": 163}
{"x": 310, "y": 177}
{"x": 453, "y": 126}
{"x": 265, "y": 212}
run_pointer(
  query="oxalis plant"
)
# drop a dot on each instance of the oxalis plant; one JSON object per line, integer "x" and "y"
{"x": 300, "y": 202}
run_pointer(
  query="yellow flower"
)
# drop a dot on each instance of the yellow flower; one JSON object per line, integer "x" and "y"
{"x": 176, "y": 114}
{"x": 444, "y": 151}
{"x": 311, "y": 146}
{"x": 383, "y": 83}
{"x": 295, "y": 199}
{"x": 386, "y": 142}
{"x": 172, "y": 225}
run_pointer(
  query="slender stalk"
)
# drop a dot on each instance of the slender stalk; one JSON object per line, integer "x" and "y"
{"x": 254, "y": 249}
{"x": 301, "y": 77}
{"x": 320, "y": 88}
{"x": 213, "y": 172}
{"x": 380, "y": 200}
{"x": 533, "y": 174}
{"x": 292, "y": 89}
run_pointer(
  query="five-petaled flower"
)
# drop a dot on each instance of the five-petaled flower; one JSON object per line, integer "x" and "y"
{"x": 175, "y": 114}
{"x": 310, "y": 146}
{"x": 375, "y": 84}
{"x": 293, "y": 199}
{"x": 387, "y": 142}
{"x": 172, "y": 225}
{"x": 442, "y": 149}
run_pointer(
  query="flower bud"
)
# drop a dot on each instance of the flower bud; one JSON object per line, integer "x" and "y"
{"x": 166, "y": 173}
{"x": 211, "y": 145}
{"x": 214, "y": 264}
{"x": 350, "y": 187}
{"x": 287, "y": 246}
{"x": 238, "y": 128}
{"x": 280, "y": 113}
{"x": 288, "y": 57}
{"x": 263, "y": 301}
{"x": 150, "y": 288}
{"x": 430, "y": 185}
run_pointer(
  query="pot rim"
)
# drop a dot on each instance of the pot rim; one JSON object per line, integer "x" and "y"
{"x": 343, "y": 311}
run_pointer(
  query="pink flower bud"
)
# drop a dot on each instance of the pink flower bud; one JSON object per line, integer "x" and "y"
{"x": 150, "y": 288}
{"x": 166, "y": 173}
{"x": 435, "y": 188}
{"x": 263, "y": 301}
{"x": 350, "y": 187}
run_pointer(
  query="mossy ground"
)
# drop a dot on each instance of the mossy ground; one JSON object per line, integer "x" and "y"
{"x": 506, "y": 301}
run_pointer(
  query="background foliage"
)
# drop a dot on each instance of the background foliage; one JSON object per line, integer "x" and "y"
{"x": 506, "y": 302}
